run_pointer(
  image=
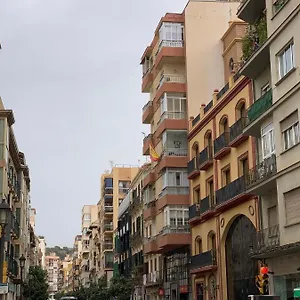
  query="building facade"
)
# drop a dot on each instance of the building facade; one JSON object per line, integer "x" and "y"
{"x": 52, "y": 268}
{"x": 88, "y": 216}
{"x": 272, "y": 62}
{"x": 76, "y": 262}
{"x": 15, "y": 195}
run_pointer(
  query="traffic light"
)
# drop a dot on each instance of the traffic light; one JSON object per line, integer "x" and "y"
{"x": 262, "y": 281}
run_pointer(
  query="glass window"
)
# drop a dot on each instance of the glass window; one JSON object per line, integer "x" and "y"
{"x": 268, "y": 143}
{"x": 291, "y": 136}
{"x": 286, "y": 60}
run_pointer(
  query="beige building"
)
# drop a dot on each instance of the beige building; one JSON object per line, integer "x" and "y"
{"x": 42, "y": 246}
{"x": 114, "y": 186}
{"x": 88, "y": 216}
{"x": 94, "y": 251}
{"x": 184, "y": 58}
{"x": 52, "y": 268}
{"x": 271, "y": 59}
{"x": 14, "y": 190}
{"x": 76, "y": 262}
{"x": 65, "y": 275}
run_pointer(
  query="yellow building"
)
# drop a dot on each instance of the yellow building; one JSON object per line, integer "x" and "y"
{"x": 114, "y": 186}
{"x": 223, "y": 216}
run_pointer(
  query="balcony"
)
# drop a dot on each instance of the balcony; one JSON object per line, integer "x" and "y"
{"x": 257, "y": 112}
{"x": 15, "y": 228}
{"x": 173, "y": 195}
{"x": 108, "y": 209}
{"x": 108, "y": 227}
{"x": 149, "y": 179}
{"x": 171, "y": 83}
{"x": 236, "y": 133}
{"x": 205, "y": 261}
{"x": 251, "y": 10}
{"x": 150, "y": 211}
{"x": 201, "y": 210}
{"x": 147, "y": 81}
{"x": 255, "y": 45}
{"x": 172, "y": 158}
{"x": 108, "y": 191}
{"x": 148, "y": 112}
{"x": 154, "y": 278}
{"x": 136, "y": 204}
{"x": 221, "y": 145}
{"x": 107, "y": 246}
{"x": 150, "y": 246}
{"x": 172, "y": 121}
{"x": 266, "y": 242}
{"x": 231, "y": 194}
{"x": 173, "y": 237}
{"x": 136, "y": 239}
{"x": 261, "y": 179}
{"x": 192, "y": 168}
{"x": 12, "y": 267}
{"x": 205, "y": 158}
{"x": 109, "y": 265}
{"x": 146, "y": 144}
{"x": 171, "y": 52}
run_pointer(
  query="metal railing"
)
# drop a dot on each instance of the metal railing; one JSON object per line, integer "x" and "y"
{"x": 171, "y": 79}
{"x": 206, "y": 204}
{"x": 169, "y": 43}
{"x": 223, "y": 91}
{"x": 175, "y": 152}
{"x": 108, "y": 209}
{"x": 194, "y": 211}
{"x": 261, "y": 172}
{"x": 149, "y": 136}
{"x": 174, "y": 115}
{"x": 108, "y": 227}
{"x": 208, "y": 106}
{"x": 192, "y": 165}
{"x": 221, "y": 142}
{"x": 203, "y": 259}
{"x": 196, "y": 120}
{"x": 260, "y": 106}
{"x": 107, "y": 246}
{"x": 174, "y": 190}
{"x": 15, "y": 226}
{"x": 230, "y": 191}
{"x": 267, "y": 239}
{"x": 154, "y": 277}
{"x": 237, "y": 128}
{"x": 205, "y": 156}
{"x": 147, "y": 105}
{"x": 176, "y": 229}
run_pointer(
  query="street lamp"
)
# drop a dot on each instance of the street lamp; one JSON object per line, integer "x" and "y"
{"x": 4, "y": 219}
{"x": 22, "y": 260}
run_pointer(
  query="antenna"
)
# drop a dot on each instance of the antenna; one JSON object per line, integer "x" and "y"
{"x": 111, "y": 163}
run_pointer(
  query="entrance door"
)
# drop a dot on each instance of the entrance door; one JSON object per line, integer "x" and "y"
{"x": 241, "y": 269}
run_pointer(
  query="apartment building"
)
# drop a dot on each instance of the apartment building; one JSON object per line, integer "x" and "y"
{"x": 177, "y": 55}
{"x": 14, "y": 189}
{"x": 64, "y": 275}
{"x": 52, "y": 268}
{"x": 76, "y": 261}
{"x": 114, "y": 186}
{"x": 42, "y": 246}
{"x": 89, "y": 215}
{"x": 223, "y": 215}
{"x": 272, "y": 62}
{"x": 94, "y": 251}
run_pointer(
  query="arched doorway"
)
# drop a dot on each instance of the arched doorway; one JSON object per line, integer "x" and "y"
{"x": 241, "y": 268}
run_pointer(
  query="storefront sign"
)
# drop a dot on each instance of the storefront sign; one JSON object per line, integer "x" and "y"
{"x": 184, "y": 289}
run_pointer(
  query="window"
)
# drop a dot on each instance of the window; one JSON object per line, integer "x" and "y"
{"x": 290, "y": 131}
{"x": 87, "y": 217}
{"x": 176, "y": 216}
{"x": 198, "y": 245}
{"x": 226, "y": 176}
{"x": 224, "y": 127}
{"x": 197, "y": 195}
{"x": 268, "y": 143}
{"x": 172, "y": 32}
{"x": 174, "y": 105}
{"x": 272, "y": 216}
{"x": 243, "y": 166}
{"x": 286, "y": 60}
{"x": 208, "y": 139}
{"x": 265, "y": 88}
{"x": 210, "y": 187}
{"x": 175, "y": 178}
{"x": 292, "y": 206}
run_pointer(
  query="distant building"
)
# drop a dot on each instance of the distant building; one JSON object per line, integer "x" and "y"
{"x": 52, "y": 268}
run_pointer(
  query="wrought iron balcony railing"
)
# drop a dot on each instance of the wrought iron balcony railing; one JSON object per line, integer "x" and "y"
{"x": 237, "y": 128}
{"x": 266, "y": 240}
{"x": 221, "y": 142}
{"x": 176, "y": 229}
{"x": 175, "y": 152}
{"x": 205, "y": 205}
{"x": 230, "y": 191}
{"x": 203, "y": 259}
{"x": 260, "y": 106}
{"x": 192, "y": 165}
{"x": 174, "y": 190}
{"x": 153, "y": 278}
{"x": 205, "y": 156}
{"x": 262, "y": 172}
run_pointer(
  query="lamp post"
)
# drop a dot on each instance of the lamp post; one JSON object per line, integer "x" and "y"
{"x": 22, "y": 260}
{"x": 4, "y": 216}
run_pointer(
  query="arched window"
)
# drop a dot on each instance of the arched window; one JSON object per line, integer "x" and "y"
{"x": 240, "y": 110}
{"x": 195, "y": 150}
{"x": 224, "y": 126}
{"x": 212, "y": 242}
{"x": 208, "y": 139}
{"x": 198, "y": 245}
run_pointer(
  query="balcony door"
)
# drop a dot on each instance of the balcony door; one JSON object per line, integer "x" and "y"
{"x": 241, "y": 268}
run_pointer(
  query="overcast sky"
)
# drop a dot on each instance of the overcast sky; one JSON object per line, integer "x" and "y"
{"x": 70, "y": 71}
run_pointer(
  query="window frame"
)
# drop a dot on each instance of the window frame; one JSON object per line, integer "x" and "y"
{"x": 269, "y": 134}
{"x": 294, "y": 135}
{"x": 282, "y": 60}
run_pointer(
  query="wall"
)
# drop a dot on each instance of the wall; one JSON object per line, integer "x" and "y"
{"x": 204, "y": 27}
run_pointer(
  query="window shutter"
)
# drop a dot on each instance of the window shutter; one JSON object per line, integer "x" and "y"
{"x": 292, "y": 206}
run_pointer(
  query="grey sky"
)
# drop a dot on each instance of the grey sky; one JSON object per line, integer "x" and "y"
{"x": 70, "y": 71}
